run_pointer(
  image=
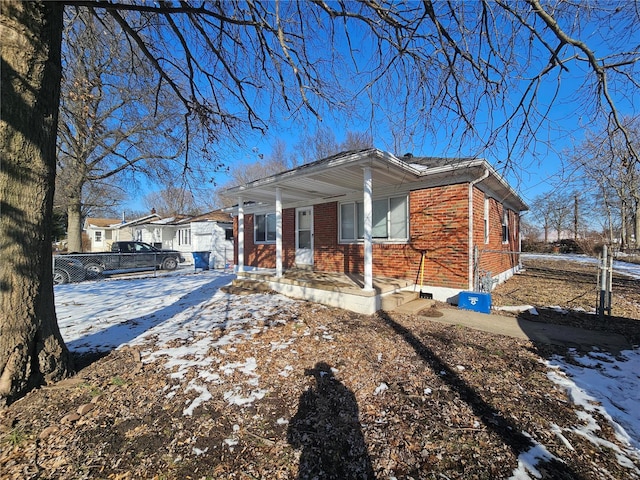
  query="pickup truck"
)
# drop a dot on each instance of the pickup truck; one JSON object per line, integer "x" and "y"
{"x": 128, "y": 256}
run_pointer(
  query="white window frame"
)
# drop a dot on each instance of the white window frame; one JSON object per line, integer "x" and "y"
{"x": 505, "y": 225}
{"x": 269, "y": 219}
{"x": 97, "y": 236}
{"x": 184, "y": 236}
{"x": 357, "y": 212}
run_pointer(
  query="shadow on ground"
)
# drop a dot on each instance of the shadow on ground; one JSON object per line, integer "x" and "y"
{"x": 327, "y": 429}
{"x": 491, "y": 416}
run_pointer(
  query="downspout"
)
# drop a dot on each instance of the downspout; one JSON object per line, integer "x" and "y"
{"x": 240, "y": 234}
{"x": 470, "y": 254}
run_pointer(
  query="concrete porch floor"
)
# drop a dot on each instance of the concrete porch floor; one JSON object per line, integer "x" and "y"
{"x": 335, "y": 289}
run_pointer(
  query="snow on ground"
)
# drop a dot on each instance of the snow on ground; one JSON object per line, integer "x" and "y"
{"x": 630, "y": 269}
{"x": 171, "y": 317}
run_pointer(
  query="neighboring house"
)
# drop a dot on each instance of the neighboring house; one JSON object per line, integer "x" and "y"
{"x": 210, "y": 232}
{"x": 102, "y": 232}
{"x": 371, "y": 213}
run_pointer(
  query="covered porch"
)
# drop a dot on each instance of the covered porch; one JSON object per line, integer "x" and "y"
{"x": 337, "y": 289}
{"x": 350, "y": 176}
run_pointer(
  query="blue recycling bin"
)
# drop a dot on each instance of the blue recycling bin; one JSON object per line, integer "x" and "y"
{"x": 201, "y": 260}
{"x": 476, "y": 301}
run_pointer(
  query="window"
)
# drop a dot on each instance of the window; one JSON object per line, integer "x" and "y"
{"x": 98, "y": 236}
{"x": 141, "y": 247}
{"x": 184, "y": 236}
{"x": 486, "y": 220}
{"x": 265, "y": 228}
{"x": 505, "y": 225}
{"x": 389, "y": 219}
{"x": 228, "y": 233}
{"x": 108, "y": 234}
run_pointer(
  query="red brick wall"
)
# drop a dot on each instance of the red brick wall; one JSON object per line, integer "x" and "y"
{"x": 495, "y": 256}
{"x": 439, "y": 226}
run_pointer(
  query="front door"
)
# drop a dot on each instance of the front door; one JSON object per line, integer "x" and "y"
{"x": 304, "y": 236}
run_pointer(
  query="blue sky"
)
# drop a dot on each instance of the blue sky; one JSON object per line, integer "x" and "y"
{"x": 539, "y": 165}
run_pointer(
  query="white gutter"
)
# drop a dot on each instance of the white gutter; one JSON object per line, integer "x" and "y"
{"x": 364, "y": 158}
{"x": 484, "y": 176}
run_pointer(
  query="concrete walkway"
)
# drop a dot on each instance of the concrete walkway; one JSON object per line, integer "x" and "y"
{"x": 537, "y": 332}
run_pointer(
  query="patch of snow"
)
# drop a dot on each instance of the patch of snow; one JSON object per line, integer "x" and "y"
{"x": 383, "y": 387}
{"x": 198, "y": 451}
{"x": 611, "y": 392}
{"x": 518, "y": 309}
{"x": 528, "y": 460}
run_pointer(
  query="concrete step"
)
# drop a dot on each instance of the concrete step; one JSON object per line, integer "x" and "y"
{"x": 394, "y": 300}
{"x": 249, "y": 284}
{"x": 415, "y": 306}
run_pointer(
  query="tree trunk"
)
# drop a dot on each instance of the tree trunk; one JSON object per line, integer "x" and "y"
{"x": 636, "y": 226}
{"x": 74, "y": 225}
{"x": 546, "y": 232}
{"x": 635, "y": 218}
{"x": 31, "y": 348}
{"x": 623, "y": 227}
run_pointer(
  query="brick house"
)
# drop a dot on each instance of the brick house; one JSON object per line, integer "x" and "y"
{"x": 371, "y": 213}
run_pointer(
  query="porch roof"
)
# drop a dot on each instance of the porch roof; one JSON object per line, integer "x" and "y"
{"x": 341, "y": 175}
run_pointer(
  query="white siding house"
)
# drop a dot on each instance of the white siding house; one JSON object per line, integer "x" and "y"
{"x": 210, "y": 233}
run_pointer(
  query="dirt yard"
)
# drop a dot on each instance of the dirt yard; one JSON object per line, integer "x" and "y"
{"x": 349, "y": 396}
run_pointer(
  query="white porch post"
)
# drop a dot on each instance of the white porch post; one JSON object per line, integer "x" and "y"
{"x": 278, "y": 232}
{"x": 240, "y": 234}
{"x": 368, "y": 227}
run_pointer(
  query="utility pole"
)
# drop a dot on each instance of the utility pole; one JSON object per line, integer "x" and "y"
{"x": 575, "y": 217}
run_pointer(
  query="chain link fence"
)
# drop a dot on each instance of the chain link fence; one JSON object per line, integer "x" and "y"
{"x": 78, "y": 267}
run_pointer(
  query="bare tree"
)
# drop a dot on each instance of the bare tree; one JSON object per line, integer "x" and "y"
{"x": 110, "y": 127}
{"x": 605, "y": 162}
{"x": 322, "y": 143}
{"x": 554, "y": 212}
{"x": 172, "y": 201}
{"x": 279, "y": 160}
{"x": 561, "y": 214}
{"x": 319, "y": 144}
{"x": 529, "y": 231}
{"x": 541, "y": 210}
{"x": 234, "y": 64}
{"x": 357, "y": 141}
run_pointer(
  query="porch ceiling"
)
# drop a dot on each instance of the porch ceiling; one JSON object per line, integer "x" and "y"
{"x": 326, "y": 185}
{"x": 325, "y": 181}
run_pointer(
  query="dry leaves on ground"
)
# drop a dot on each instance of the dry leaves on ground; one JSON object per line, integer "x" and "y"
{"x": 342, "y": 396}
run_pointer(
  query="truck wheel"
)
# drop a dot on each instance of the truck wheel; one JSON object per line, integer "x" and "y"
{"x": 170, "y": 263}
{"x": 60, "y": 277}
{"x": 94, "y": 270}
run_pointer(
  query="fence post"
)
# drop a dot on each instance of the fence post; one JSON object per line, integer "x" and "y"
{"x": 610, "y": 283}
{"x": 605, "y": 281}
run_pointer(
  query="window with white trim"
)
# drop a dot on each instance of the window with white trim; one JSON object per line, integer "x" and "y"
{"x": 184, "y": 236}
{"x": 390, "y": 220}
{"x": 264, "y": 229}
{"x": 97, "y": 237}
{"x": 505, "y": 225}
